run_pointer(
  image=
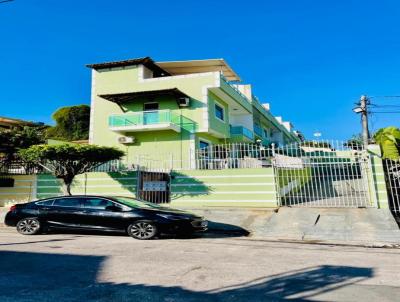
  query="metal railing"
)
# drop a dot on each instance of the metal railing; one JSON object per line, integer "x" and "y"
{"x": 234, "y": 87}
{"x": 392, "y": 177}
{"x": 17, "y": 167}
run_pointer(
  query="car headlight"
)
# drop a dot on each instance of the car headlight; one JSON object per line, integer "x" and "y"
{"x": 171, "y": 217}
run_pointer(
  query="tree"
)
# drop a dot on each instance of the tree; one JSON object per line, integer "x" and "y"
{"x": 355, "y": 142}
{"x": 20, "y": 137}
{"x": 389, "y": 140}
{"x": 72, "y": 123}
{"x": 68, "y": 160}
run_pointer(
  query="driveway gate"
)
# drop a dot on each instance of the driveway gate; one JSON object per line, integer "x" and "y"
{"x": 321, "y": 176}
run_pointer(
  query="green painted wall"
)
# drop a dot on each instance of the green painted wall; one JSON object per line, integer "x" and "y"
{"x": 229, "y": 188}
{"x": 215, "y": 124}
{"x": 96, "y": 183}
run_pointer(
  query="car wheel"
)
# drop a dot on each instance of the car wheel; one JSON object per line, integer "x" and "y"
{"x": 142, "y": 230}
{"x": 28, "y": 226}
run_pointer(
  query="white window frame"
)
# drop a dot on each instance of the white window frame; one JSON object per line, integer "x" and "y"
{"x": 223, "y": 111}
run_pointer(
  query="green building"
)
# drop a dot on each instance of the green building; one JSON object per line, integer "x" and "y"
{"x": 164, "y": 112}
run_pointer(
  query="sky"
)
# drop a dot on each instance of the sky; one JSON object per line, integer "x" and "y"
{"x": 311, "y": 60}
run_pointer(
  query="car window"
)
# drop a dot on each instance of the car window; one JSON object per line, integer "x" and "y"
{"x": 134, "y": 203}
{"x": 67, "y": 202}
{"x": 46, "y": 202}
{"x": 97, "y": 203}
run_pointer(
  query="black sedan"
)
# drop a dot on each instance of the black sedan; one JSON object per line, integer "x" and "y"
{"x": 141, "y": 220}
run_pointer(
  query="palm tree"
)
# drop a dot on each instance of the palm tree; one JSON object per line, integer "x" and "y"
{"x": 389, "y": 140}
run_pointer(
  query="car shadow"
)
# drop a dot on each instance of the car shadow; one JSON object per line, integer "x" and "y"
{"x": 46, "y": 277}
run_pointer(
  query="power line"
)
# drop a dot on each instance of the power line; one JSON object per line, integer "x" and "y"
{"x": 4, "y": 1}
{"x": 385, "y": 106}
{"x": 384, "y": 112}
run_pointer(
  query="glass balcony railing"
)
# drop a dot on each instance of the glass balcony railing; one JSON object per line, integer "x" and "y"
{"x": 144, "y": 118}
{"x": 242, "y": 131}
{"x": 157, "y": 119}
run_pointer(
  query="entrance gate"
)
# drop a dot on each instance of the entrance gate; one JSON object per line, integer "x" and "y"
{"x": 323, "y": 177}
{"x": 153, "y": 186}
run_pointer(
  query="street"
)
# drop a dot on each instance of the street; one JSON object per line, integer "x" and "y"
{"x": 81, "y": 267}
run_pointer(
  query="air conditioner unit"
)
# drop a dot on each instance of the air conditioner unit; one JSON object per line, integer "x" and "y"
{"x": 184, "y": 102}
{"x": 126, "y": 140}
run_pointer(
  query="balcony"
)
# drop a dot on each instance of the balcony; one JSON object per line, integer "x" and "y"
{"x": 234, "y": 93}
{"x": 145, "y": 121}
{"x": 241, "y": 134}
{"x": 258, "y": 131}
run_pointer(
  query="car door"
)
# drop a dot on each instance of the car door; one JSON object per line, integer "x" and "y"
{"x": 65, "y": 212}
{"x": 101, "y": 213}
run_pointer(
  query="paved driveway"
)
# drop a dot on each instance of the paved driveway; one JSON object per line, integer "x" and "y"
{"x": 78, "y": 267}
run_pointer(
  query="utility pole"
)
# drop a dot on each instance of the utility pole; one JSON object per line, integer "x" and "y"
{"x": 364, "y": 120}
{"x": 363, "y": 109}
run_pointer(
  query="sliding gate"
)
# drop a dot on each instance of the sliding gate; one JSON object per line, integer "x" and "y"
{"x": 323, "y": 179}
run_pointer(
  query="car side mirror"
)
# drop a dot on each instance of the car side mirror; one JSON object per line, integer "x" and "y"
{"x": 113, "y": 208}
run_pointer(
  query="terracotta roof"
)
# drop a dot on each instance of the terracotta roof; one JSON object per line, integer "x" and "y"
{"x": 14, "y": 121}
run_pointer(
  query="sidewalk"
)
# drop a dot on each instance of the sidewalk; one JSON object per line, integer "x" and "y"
{"x": 3, "y": 212}
{"x": 354, "y": 227}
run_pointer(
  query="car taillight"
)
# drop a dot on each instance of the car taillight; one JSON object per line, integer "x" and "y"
{"x": 13, "y": 208}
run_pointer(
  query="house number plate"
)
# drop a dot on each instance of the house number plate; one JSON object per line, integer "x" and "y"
{"x": 159, "y": 186}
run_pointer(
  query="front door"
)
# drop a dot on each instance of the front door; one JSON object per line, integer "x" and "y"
{"x": 151, "y": 114}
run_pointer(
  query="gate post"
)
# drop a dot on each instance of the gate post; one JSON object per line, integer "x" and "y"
{"x": 377, "y": 176}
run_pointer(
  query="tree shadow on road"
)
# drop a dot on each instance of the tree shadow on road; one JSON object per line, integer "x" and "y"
{"x": 49, "y": 277}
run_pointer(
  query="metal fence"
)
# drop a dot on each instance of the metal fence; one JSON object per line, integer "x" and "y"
{"x": 17, "y": 167}
{"x": 392, "y": 177}
{"x": 322, "y": 174}
{"x": 232, "y": 156}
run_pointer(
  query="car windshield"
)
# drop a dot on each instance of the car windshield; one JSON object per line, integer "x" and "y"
{"x": 134, "y": 203}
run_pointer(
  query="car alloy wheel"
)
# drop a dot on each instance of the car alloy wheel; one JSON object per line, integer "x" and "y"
{"x": 28, "y": 226}
{"x": 142, "y": 230}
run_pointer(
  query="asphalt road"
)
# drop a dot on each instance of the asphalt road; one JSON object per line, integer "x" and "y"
{"x": 80, "y": 267}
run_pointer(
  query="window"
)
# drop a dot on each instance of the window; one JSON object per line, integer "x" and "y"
{"x": 150, "y": 106}
{"x": 46, "y": 202}
{"x": 67, "y": 202}
{"x": 203, "y": 148}
{"x": 203, "y": 144}
{"x": 266, "y": 134}
{"x": 219, "y": 112}
{"x": 97, "y": 203}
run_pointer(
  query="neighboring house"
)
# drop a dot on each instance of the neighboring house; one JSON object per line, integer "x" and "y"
{"x": 168, "y": 110}
{"x": 8, "y": 123}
